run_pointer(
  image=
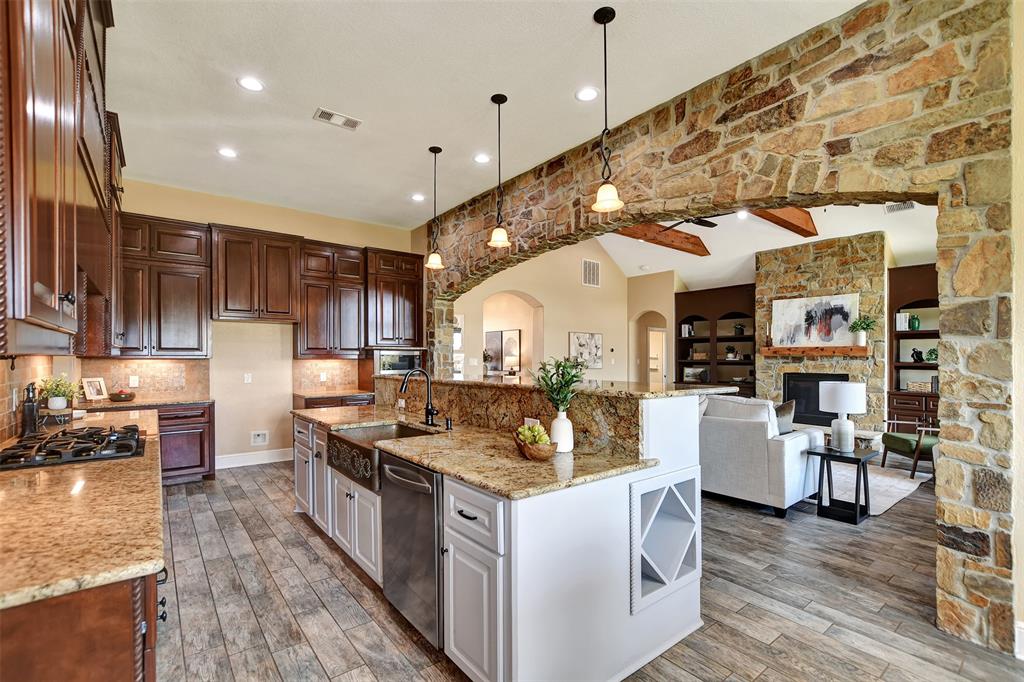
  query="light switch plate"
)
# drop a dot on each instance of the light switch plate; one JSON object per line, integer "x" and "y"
{"x": 259, "y": 437}
{"x": 247, "y": 378}
{"x": 133, "y": 381}
{"x": 323, "y": 377}
{"x": 530, "y": 421}
{"x": 400, "y": 403}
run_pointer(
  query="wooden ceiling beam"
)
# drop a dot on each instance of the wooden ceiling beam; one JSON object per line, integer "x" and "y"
{"x": 662, "y": 235}
{"x": 796, "y": 220}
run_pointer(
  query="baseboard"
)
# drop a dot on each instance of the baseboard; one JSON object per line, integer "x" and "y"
{"x": 244, "y": 459}
{"x": 1018, "y": 640}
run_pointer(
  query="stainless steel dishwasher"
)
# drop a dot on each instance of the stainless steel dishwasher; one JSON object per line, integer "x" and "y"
{"x": 411, "y": 543}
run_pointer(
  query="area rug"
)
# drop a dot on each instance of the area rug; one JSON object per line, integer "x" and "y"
{"x": 887, "y": 486}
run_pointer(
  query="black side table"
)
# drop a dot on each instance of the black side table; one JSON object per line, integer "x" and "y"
{"x": 842, "y": 510}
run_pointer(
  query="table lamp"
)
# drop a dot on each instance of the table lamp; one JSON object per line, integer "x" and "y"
{"x": 843, "y": 398}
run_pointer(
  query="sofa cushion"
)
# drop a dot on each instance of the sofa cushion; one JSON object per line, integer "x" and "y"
{"x": 784, "y": 414}
{"x": 747, "y": 409}
{"x": 906, "y": 443}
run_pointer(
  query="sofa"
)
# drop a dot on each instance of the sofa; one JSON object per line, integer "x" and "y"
{"x": 743, "y": 455}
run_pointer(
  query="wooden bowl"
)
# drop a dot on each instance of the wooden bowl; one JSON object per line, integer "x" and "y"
{"x": 536, "y": 451}
{"x": 121, "y": 397}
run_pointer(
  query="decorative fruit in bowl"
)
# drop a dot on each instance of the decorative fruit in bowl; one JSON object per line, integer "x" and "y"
{"x": 122, "y": 396}
{"x": 534, "y": 443}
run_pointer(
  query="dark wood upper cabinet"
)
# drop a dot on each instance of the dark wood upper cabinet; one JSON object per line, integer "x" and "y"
{"x": 179, "y": 310}
{"x": 314, "y": 333}
{"x": 332, "y": 302}
{"x": 133, "y": 335}
{"x": 349, "y": 263}
{"x": 134, "y": 237}
{"x": 349, "y": 304}
{"x": 394, "y": 299}
{"x": 317, "y": 259}
{"x": 255, "y": 275}
{"x": 174, "y": 241}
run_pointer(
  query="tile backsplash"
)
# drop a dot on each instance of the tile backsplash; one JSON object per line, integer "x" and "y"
{"x": 339, "y": 374}
{"x": 173, "y": 379}
{"x": 26, "y": 369}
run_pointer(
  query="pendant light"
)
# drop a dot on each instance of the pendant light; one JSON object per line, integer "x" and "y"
{"x": 499, "y": 235}
{"x": 434, "y": 259}
{"x": 607, "y": 196}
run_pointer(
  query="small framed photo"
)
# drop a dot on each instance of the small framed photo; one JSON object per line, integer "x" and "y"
{"x": 95, "y": 389}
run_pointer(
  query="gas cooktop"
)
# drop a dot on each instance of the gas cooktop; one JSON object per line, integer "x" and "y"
{"x": 73, "y": 445}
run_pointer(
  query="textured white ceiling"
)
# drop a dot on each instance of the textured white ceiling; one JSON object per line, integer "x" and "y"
{"x": 734, "y": 242}
{"x": 418, "y": 73}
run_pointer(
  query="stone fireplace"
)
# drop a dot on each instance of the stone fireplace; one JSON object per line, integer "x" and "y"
{"x": 856, "y": 264}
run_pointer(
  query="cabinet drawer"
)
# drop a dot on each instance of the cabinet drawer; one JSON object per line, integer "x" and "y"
{"x": 932, "y": 404}
{"x": 185, "y": 414}
{"x": 302, "y": 432}
{"x": 179, "y": 243}
{"x": 317, "y": 260}
{"x": 475, "y": 515}
{"x": 386, "y": 263}
{"x": 906, "y": 402}
{"x": 362, "y": 399}
{"x": 322, "y": 402}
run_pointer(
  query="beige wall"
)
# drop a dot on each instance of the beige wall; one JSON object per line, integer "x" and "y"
{"x": 1017, "y": 150}
{"x": 554, "y": 279}
{"x": 506, "y": 311}
{"x": 655, "y": 293}
{"x": 183, "y": 204}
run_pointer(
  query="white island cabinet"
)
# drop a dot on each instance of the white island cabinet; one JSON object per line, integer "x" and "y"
{"x": 303, "y": 454}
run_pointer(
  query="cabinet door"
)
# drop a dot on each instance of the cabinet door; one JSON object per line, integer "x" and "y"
{"x": 134, "y": 329}
{"x": 341, "y": 511}
{"x": 279, "y": 280}
{"x": 348, "y": 318}
{"x": 317, "y": 260}
{"x": 180, "y": 243}
{"x": 134, "y": 236}
{"x": 315, "y": 331}
{"x": 366, "y": 532}
{"x": 303, "y": 473}
{"x": 349, "y": 263}
{"x": 386, "y": 311}
{"x": 116, "y": 337}
{"x": 236, "y": 275}
{"x": 410, "y": 305}
{"x": 473, "y": 608}
{"x": 185, "y": 449}
{"x": 68, "y": 178}
{"x": 320, "y": 502}
{"x": 179, "y": 311}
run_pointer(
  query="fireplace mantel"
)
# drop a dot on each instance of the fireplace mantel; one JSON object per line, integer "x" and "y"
{"x": 814, "y": 351}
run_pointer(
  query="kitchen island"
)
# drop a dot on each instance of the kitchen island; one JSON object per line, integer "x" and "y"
{"x": 584, "y": 567}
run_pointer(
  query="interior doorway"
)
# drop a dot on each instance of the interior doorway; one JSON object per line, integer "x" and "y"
{"x": 657, "y": 355}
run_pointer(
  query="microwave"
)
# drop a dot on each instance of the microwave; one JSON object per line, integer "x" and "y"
{"x": 396, "y": 361}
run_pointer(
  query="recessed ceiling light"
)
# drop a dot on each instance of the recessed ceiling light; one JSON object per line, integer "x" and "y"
{"x": 742, "y": 214}
{"x": 587, "y": 93}
{"x": 645, "y": 268}
{"x": 227, "y": 152}
{"x": 418, "y": 197}
{"x": 482, "y": 158}
{"x": 251, "y": 84}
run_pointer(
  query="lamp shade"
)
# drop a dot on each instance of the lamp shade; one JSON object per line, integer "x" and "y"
{"x": 842, "y": 397}
{"x": 434, "y": 261}
{"x": 607, "y": 199}
{"x": 499, "y": 238}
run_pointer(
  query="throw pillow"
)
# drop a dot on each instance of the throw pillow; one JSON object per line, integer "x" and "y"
{"x": 784, "y": 413}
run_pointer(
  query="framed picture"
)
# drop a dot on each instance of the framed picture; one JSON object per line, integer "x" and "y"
{"x": 95, "y": 389}
{"x": 510, "y": 351}
{"x": 814, "y": 321}
{"x": 587, "y": 346}
{"x": 492, "y": 352}
{"x": 695, "y": 374}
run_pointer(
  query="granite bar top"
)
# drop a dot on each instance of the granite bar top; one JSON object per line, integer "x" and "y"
{"x": 70, "y": 527}
{"x": 481, "y": 457}
{"x": 331, "y": 393}
{"x": 144, "y": 401}
{"x": 634, "y": 389}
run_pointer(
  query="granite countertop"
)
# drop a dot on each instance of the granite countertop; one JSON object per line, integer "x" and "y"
{"x": 331, "y": 393}
{"x": 481, "y": 457}
{"x": 636, "y": 389}
{"x": 70, "y": 527}
{"x": 142, "y": 401}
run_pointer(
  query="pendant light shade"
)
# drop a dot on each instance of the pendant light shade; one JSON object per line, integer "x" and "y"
{"x": 607, "y": 196}
{"x": 434, "y": 259}
{"x": 499, "y": 235}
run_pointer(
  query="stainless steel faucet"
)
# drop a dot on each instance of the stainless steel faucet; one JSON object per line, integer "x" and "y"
{"x": 429, "y": 411}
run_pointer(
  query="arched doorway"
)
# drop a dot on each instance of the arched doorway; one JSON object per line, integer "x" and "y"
{"x": 650, "y": 353}
{"x": 489, "y": 327}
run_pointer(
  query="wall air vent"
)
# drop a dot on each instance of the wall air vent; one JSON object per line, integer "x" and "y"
{"x": 591, "y": 273}
{"x": 336, "y": 119}
{"x": 901, "y": 206}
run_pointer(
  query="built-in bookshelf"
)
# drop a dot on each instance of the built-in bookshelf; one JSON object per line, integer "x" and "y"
{"x": 715, "y": 341}
{"x": 913, "y": 389}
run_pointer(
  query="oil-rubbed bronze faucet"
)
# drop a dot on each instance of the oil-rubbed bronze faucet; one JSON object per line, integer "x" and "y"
{"x": 429, "y": 411}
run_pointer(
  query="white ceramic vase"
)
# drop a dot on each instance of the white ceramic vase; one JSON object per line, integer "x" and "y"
{"x": 57, "y": 403}
{"x": 860, "y": 338}
{"x": 561, "y": 433}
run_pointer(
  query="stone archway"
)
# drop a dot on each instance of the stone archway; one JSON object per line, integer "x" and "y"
{"x": 887, "y": 102}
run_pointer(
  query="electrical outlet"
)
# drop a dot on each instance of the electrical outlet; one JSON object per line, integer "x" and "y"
{"x": 529, "y": 421}
{"x": 259, "y": 437}
{"x": 133, "y": 381}
{"x": 247, "y": 378}
{"x": 323, "y": 377}
{"x": 15, "y": 397}
{"x": 401, "y": 403}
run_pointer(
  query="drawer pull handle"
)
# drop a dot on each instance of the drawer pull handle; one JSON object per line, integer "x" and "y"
{"x": 468, "y": 517}
{"x": 162, "y": 603}
{"x": 159, "y": 580}
{"x": 180, "y": 415}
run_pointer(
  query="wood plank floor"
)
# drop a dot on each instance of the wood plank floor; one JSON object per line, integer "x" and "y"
{"x": 257, "y": 592}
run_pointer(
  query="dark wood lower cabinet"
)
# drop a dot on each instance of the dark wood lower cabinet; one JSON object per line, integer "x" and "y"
{"x": 186, "y": 442}
{"x": 105, "y": 633}
{"x": 303, "y": 403}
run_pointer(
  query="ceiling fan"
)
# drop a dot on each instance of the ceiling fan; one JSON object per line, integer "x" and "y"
{"x": 702, "y": 222}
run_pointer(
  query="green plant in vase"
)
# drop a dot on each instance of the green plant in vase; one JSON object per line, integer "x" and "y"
{"x": 860, "y": 328}
{"x": 730, "y": 352}
{"x": 558, "y": 379}
{"x": 59, "y": 392}
{"x": 931, "y": 355}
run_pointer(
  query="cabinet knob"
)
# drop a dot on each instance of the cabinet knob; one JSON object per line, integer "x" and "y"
{"x": 317, "y": 455}
{"x": 162, "y": 616}
{"x": 162, "y": 603}
{"x": 444, "y": 550}
{"x": 68, "y": 297}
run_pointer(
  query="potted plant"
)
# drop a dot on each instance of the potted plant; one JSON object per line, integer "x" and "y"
{"x": 730, "y": 353}
{"x": 932, "y": 355}
{"x": 558, "y": 379}
{"x": 860, "y": 328}
{"x": 59, "y": 392}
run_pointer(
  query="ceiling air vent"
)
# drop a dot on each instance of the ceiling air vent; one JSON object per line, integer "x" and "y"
{"x": 591, "y": 273}
{"x": 901, "y": 206}
{"x": 336, "y": 119}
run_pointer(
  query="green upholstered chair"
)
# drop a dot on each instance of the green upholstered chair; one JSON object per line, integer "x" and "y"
{"x": 918, "y": 445}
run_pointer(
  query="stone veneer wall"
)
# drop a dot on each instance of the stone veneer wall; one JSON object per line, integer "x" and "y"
{"x": 890, "y": 101}
{"x": 848, "y": 265}
{"x": 599, "y": 421}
